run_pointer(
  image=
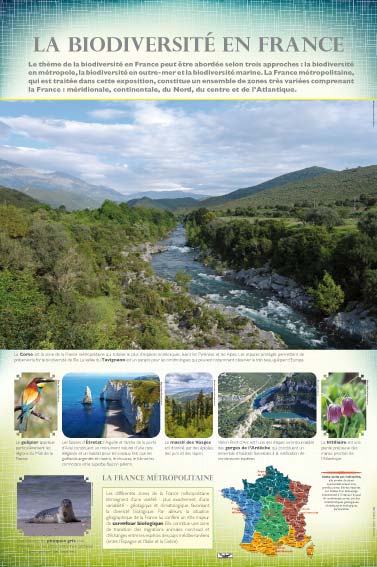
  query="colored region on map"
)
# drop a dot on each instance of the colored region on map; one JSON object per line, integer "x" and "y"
{"x": 272, "y": 508}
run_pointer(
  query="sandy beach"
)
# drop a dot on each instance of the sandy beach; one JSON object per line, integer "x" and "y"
{"x": 117, "y": 425}
{"x": 70, "y": 529}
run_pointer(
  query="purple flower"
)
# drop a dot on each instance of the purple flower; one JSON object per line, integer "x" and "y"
{"x": 349, "y": 407}
{"x": 334, "y": 413}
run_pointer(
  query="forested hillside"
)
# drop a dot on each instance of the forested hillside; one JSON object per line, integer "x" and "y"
{"x": 67, "y": 279}
{"x": 16, "y": 198}
{"x": 288, "y": 178}
{"x": 168, "y": 204}
{"x": 192, "y": 418}
{"x": 83, "y": 279}
{"x": 323, "y": 189}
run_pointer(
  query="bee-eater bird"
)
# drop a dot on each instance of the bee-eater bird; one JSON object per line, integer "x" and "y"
{"x": 29, "y": 399}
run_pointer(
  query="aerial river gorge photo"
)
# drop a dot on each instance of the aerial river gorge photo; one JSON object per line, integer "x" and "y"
{"x": 267, "y": 405}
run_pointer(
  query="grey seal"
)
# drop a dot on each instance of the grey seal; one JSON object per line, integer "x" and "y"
{"x": 59, "y": 515}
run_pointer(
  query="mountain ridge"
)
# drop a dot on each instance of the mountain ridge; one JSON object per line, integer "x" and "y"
{"x": 166, "y": 204}
{"x": 157, "y": 195}
{"x": 315, "y": 183}
{"x": 323, "y": 189}
{"x": 297, "y": 175}
{"x": 56, "y": 188}
{"x": 17, "y": 198}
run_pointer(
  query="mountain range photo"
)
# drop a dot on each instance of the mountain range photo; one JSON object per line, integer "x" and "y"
{"x": 59, "y": 188}
{"x": 311, "y": 183}
{"x": 55, "y": 188}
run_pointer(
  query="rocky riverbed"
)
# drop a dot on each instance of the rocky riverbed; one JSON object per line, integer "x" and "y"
{"x": 272, "y": 303}
{"x": 355, "y": 322}
{"x": 263, "y": 308}
{"x": 286, "y": 288}
{"x": 206, "y": 324}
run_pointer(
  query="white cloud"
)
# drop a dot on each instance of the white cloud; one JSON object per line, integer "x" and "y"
{"x": 107, "y": 113}
{"x": 207, "y": 147}
{"x": 186, "y": 381}
{"x": 87, "y": 167}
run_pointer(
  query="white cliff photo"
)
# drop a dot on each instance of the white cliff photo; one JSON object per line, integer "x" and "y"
{"x": 111, "y": 405}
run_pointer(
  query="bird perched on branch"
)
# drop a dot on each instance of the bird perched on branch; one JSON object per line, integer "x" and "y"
{"x": 29, "y": 399}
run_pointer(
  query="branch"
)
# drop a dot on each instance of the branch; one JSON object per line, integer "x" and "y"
{"x": 34, "y": 412}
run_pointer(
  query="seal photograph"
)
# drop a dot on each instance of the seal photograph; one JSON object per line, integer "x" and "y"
{"x": 59, "y": 515}
{"x": 44, "y": 510}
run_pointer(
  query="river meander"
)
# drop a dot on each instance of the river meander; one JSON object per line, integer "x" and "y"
{"x": 276, "y": 414}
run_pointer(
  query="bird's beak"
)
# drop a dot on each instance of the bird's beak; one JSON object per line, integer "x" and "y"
{"x": 43, "y": 381}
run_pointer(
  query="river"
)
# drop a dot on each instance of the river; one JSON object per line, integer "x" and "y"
{"x": 269, "y": 313}
{"x": 279, "y": 414}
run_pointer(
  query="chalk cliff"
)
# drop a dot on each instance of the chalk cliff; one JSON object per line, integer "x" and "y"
{"x": 140, "y": 401}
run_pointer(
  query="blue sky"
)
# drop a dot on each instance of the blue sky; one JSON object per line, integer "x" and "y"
{"x": 202, "y": 147}
{"x": 187, "y": 381}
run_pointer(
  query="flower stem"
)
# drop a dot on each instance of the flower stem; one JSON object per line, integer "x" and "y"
{"x": 344, "y": 426}
{"x": 337, "y": 429}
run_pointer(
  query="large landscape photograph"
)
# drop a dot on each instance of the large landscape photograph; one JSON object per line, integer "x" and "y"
{"x": 188, "y": 225}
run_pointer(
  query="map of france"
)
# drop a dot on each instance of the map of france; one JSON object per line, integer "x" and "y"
{"x": 272, "y": 507}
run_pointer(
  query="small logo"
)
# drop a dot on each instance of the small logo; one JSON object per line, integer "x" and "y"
{"x": 225, "y": 556}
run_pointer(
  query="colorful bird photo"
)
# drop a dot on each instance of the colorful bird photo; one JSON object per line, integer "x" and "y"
{"x": 35, "y": 404}
{"x": 343, "y": 405}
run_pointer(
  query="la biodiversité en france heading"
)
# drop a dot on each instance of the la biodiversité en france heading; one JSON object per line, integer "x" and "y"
{"x": 190, "y": 44}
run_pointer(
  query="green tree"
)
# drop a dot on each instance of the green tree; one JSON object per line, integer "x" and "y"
{"x": 13, "y": 254}
{"x": 354, "y": 254}
{"x": 13, "y": 221}
{"x": 370, "y": 287}
{"x": 368, "y": 224}
{"x": 324, "y": 216}
{"x": 328, "y": 296}
{"x": 304, "y": 255}
{"x": 22, "y": 311}
{"x": 200, "y": 404}
{"x": 49, "y": 241}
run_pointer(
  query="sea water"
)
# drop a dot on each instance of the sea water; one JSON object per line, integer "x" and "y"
{"x": 81, "y": 420}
